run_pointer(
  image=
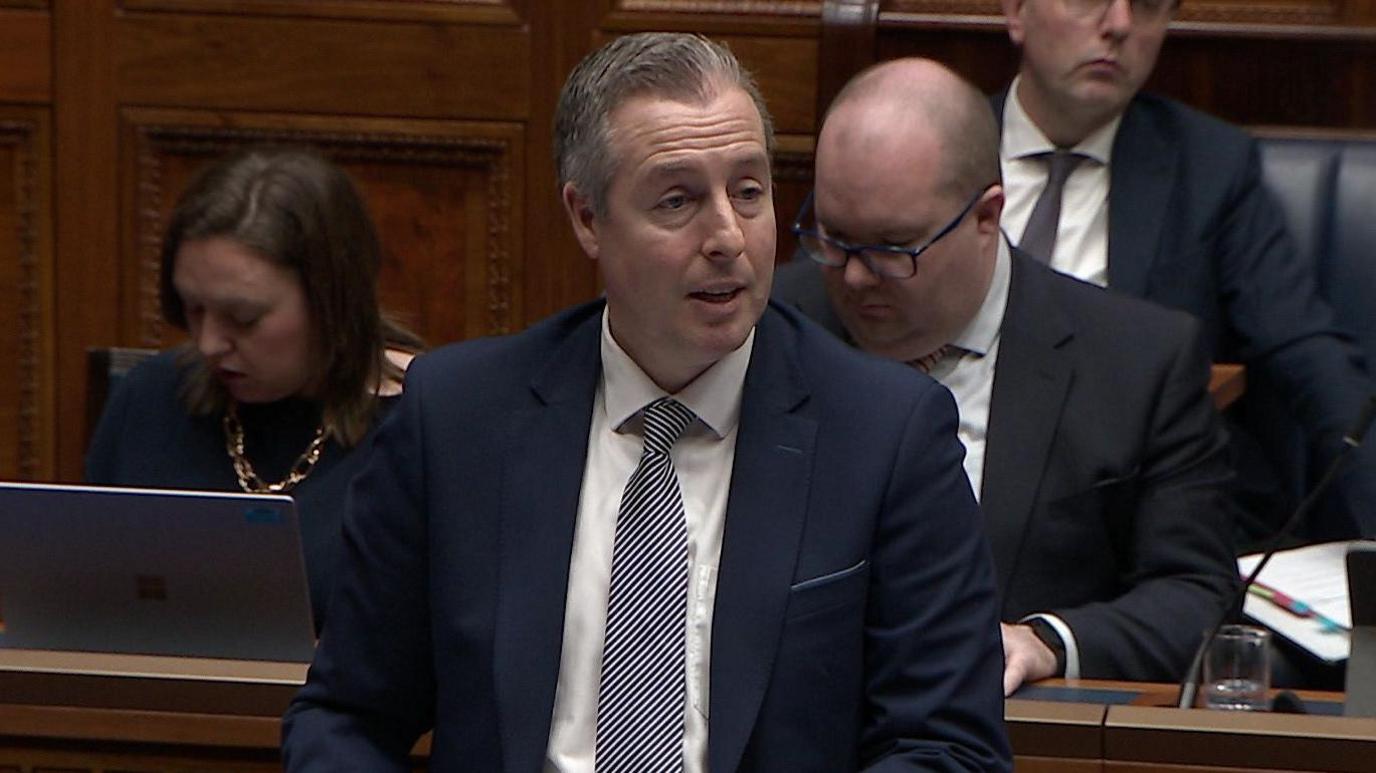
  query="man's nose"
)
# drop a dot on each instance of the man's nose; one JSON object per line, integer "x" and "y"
{"x": 857, "y": 272}
{"x": 1117, "y": 21}
{"x": 725, "y": 237}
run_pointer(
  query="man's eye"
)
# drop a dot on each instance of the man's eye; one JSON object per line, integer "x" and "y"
{"x": 750, "y": 192}
{"x": 678, "y": 201}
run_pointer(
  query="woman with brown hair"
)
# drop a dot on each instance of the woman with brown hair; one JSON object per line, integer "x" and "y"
{"x": 270, "y": 265}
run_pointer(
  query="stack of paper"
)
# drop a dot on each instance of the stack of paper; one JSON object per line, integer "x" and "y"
{"x": 1308, "y": 597}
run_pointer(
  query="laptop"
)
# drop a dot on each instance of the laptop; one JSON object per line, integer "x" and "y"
{"x": 153, "y": 572}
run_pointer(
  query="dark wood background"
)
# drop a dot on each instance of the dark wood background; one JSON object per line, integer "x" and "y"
{"x": 442, "y": 109}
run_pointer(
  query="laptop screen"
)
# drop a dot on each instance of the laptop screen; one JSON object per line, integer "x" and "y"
{"x": 150, "y": 571}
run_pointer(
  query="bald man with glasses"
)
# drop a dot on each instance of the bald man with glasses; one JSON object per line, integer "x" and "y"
{"x": 1090, "y": 438}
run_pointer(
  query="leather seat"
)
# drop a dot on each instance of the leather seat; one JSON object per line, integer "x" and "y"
{"x": 1326, "y": 186}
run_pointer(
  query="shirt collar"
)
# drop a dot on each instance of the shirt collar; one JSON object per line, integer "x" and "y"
{"x": 714, "y": 396}
{"x": 1022, "y": 138}
{"x": 979, "y": 336}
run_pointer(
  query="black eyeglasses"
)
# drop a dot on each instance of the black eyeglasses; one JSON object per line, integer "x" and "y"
{"x": 881, "y": 259}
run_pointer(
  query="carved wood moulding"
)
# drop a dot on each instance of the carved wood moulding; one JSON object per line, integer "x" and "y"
{"x": 742, "y": 7}
{"x": 902, "y": 13}
{"x": 19, "y": 139}
{"x": 456, "y": 11}
{"x": 483, "y": 164}
{"x": 1315, "y": 13}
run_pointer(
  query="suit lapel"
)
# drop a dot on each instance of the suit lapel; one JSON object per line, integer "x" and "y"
{"x": 542, "y": 481}
{"x": 764, "y": 522}
{"x": 1141, "y": 177}
{"x": 1031, "y": 379}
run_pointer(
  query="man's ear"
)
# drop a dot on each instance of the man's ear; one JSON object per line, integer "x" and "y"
{"x": 988, "y": 210}
{"x": 1012, "y": 11}
{"x": 582, "y": 218}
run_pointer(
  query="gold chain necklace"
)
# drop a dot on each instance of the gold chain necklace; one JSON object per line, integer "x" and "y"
{"x": 248, "y": 479}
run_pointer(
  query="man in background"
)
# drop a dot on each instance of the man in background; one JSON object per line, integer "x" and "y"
{"x": 1089, "y": 433}
{"x": 1159, "y": 201}
{"x": 675, "y": 529}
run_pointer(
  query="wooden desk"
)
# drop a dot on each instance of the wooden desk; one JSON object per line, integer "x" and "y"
{"x": 95, "y": 723}
{"x": 94, "y": 712}
{"x": 1050, "y": 737}
{"x": 1141, "y": 732}
{"x": 1169, "y": 740}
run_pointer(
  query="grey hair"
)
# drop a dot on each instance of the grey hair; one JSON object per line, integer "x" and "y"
{"x": 674, "y": 65}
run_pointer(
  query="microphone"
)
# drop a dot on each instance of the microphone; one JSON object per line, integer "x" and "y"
{"x": 1189, "y": 686}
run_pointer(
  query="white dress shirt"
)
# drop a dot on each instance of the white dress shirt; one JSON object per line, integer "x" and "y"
{"x": 703, "y": 458}
{"x": 1082, "y": 236}
{"x": 970, "y": 378}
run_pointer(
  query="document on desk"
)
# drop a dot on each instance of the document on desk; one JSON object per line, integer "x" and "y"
{"x": 1302, "y": 595}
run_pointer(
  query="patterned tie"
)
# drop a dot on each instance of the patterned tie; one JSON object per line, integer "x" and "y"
{"x": 1039, "y": 237}
{"x": 640, "y": 702}
{"x": 926, "y": 362}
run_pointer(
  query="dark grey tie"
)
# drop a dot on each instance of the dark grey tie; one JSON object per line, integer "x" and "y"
{"x": 1039, "y": 237}
{"x": 640, "y": 701}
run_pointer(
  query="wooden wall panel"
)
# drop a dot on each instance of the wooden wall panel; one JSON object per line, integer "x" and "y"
{"x": 143, "y": 91}
{"x": 25, "y": 55}
{"x": 85, "y": 210}
{"x": 1229, "y": 12}
{"x": 442, "y": 193}
{"x": 792, "y": 182}
{"x": 323, "y": 66}
{"x": 427, "y": 103}
{"x": 781, "y": 9}
{"x": 1257, "y": 80}
{"x": 26, "y": 330}
{"x": 463, "y": 11}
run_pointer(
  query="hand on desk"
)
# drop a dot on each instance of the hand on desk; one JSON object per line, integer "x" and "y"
{"x": 1025, "y": 658}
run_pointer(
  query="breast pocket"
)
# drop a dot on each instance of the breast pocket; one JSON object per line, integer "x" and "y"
{"x": 838, "y": 589}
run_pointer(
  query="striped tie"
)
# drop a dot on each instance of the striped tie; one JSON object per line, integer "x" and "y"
{"x": 640, "y": 702}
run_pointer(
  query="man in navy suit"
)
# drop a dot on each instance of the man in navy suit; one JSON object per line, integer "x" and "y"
{"x": 1165, "y": 203}
{"x": 828, "y": 599}
{"x": 1089, "y": 432}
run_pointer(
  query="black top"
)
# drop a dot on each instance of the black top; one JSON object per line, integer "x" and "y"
{"x": 147, "y": 438}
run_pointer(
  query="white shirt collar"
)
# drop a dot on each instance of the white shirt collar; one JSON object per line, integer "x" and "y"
{"x": 714, "y": 396}
{"x": 1022, "y": 138}
{"x": 983, "y": 331}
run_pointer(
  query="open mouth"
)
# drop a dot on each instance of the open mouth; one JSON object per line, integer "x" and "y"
{"x": 716, "y": 296}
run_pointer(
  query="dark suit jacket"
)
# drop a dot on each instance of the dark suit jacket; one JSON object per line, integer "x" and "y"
{"x": 1193, "y": 227}
{"x": 1106, "y": 477}
{"x": 1105, "y": 487}
{"x": 855, "y": 621}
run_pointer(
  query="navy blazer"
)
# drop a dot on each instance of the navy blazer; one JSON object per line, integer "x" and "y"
{"x": 855, "y": 621}
{"x": 1193, "y": 227}
{"x": 1106, "y": 487}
